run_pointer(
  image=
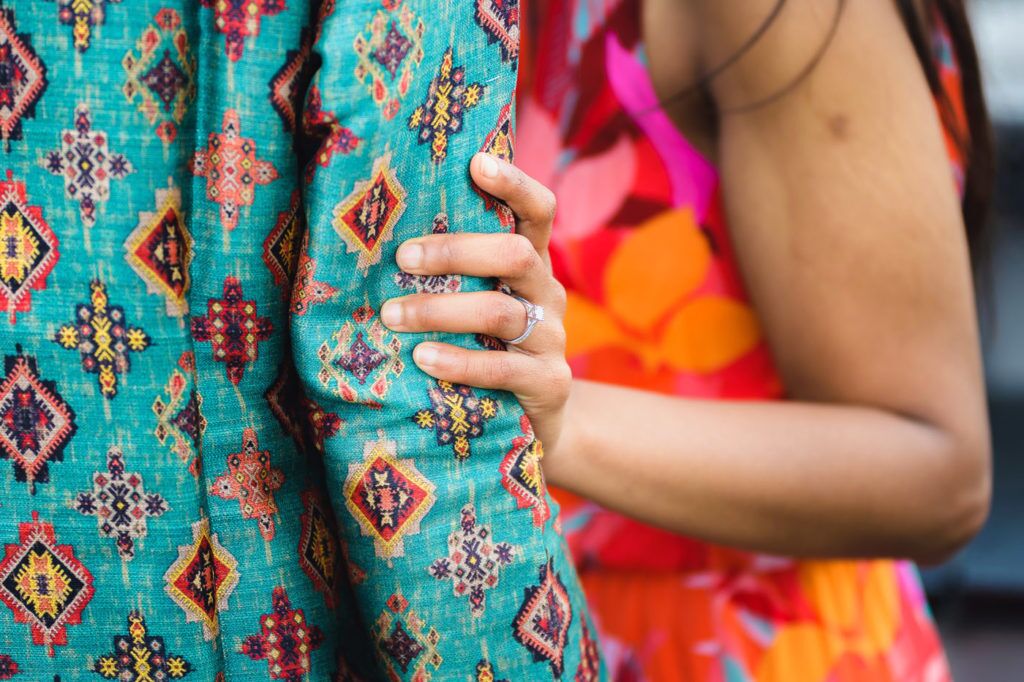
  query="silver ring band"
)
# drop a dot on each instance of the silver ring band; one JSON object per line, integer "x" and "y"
{"x": 534, "y": 314}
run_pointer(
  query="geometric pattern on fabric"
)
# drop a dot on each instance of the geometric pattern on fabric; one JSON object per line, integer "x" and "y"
{"x": 285, "y": 641}
{"x": 440, "y": 116}
{"x": 231, "y": 169}
{"x": 319, "y": 554}
{"x": 234, "y": 329}
{"x": 25, "y": 82}
{"x": 87, "y": 165}
{"x": 388, "y": 57}
{"x": 179, "y": 416}
{"x": 120, "y": 504}
{"x": 388, "y": 496}
{"x": 241, "y": 19}
{"x": 456, "y": 415}
{"x": 500, "y": 19}
{"x": 474, "y": 560}
{"x": 36, "y": 424}
{"x": 522, "y": 475}
{"x": 364, "y": 351}
{"x": 82, "y": 16}
{"x": 202, "y": 578}
{"x": 366, "y": 218}
{"x": 159, "y": 249}
{"x": 103, "y": 338}
{"x": 140, "y": 656}
{"x": 30, "y": 248}
{"x": 405, "y": 641}
{"x": 44, "y": 584}
{"x": 162, "y": 75}
{"x": 251, "y": 481}
{"x": 542, "y": 625}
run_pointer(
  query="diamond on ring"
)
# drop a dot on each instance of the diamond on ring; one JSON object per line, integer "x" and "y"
{"x": 534, "y": 314}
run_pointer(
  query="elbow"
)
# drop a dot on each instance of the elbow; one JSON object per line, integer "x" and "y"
{"x": 960, "y": 502}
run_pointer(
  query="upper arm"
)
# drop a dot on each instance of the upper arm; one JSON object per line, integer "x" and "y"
{"x": 844, "y": 211}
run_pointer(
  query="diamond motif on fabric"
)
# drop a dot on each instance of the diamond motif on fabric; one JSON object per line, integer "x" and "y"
{"x": 589, "y": 669}
{"x": 318, "y": 546}
{"x": 159, "y": 250}
{"x": 387, "y": 496}
{"x": 291, "y": 80}
{"x": 120, "y": 503}
{"x": 500, "y": 142}
{"x": 307, "y": 291}
{"x": 500, "y": 21}
{"x": 87, "y": 165}
{"x": 233, "y": 328}
{"x": 162, "y": 75}
{"x": 103, "y": 338}
{"x": 179, "y": 416}
{"x": 281, "y": 247}
{"x": 440, "y": 115}
{"x": 251, "y": 480}
{"x": 231, "y": 169}
{"x": 202, "y": 578}
{"x": 405, "y": 641}
{"x": 82, "y": 16}
{"x": 522, "y": 475}
{"x": 542, "y": 624}
{"x": 365, "y": 355}
{"x": 366, "y": 218}
{"x": 319, "y": 124}
{"x": 286, "y": 640}
{"x": 30, "y": 248}
{"x": 36, "y": 424}
{"x": 25, "y": 80}
{"x": 44, "y": 584}
{"x": 474, "y": 560}
{"x": 240, "y": 19}
{"x": 388, "y": 54}
{"x": 140, "y": 656}
{"x": 456, "y": 416}
{"x": 431, "y": 284}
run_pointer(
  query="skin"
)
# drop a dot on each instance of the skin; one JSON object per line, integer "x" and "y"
{"x": 849, "y": 235}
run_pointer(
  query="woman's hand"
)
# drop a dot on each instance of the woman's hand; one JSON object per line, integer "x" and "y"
{"x": 535, "y": 370}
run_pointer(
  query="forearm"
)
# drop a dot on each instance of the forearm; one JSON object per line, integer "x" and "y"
{"x": 790, "y": 478}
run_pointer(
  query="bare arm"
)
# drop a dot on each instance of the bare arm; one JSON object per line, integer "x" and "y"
{"x": 848, "y": 231}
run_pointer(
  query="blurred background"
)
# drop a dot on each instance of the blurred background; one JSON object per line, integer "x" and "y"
{"x": 978, "y": 598}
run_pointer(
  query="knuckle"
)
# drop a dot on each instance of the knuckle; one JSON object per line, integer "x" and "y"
{"x": 447, "y": 254}
{"x": 549, "y": 205}
{"x": 561, "y": 378}
{"x": 499, "y": 369}
{"x": 521, "y": 256}
{"x": 505, "y": 317}
{"x": 559, "y": 297}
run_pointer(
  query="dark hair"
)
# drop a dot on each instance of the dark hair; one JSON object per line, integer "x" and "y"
{"x": 974, "y": 144}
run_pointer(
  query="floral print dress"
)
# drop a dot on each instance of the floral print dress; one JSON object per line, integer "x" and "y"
{"x": 655, "y": 302}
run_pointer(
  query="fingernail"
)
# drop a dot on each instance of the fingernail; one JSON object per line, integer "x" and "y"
{"x": 488, "y": 166}
{"x": 425, "y": 354}
{"x": 410, "y": 256}
{"x": 391, "y": 314}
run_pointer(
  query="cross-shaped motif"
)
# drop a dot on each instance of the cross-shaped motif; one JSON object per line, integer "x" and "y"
{"x": 286, "y": 640}
{"x": 234, "y": 329}
{"x": 456, "y": 414}
{"x": 101, "y": 334}
{"x": 82, "y": 16}
{"x": 239, "y": 19}
{"x": 441, "y": 113}
{"x": 87, "y": 165}
{"x": 231, "y": 169}
{"x": 120, "y": 503}
{"x": 140, "y": 656}
{"x": 252, "y": 481}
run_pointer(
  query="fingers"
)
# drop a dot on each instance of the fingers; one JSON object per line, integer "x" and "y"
{"x": 485, "y": 312}
{"x": 532, "y": 202}
{"x": 527, "y": 376}
{"x": 509, "y": 257}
